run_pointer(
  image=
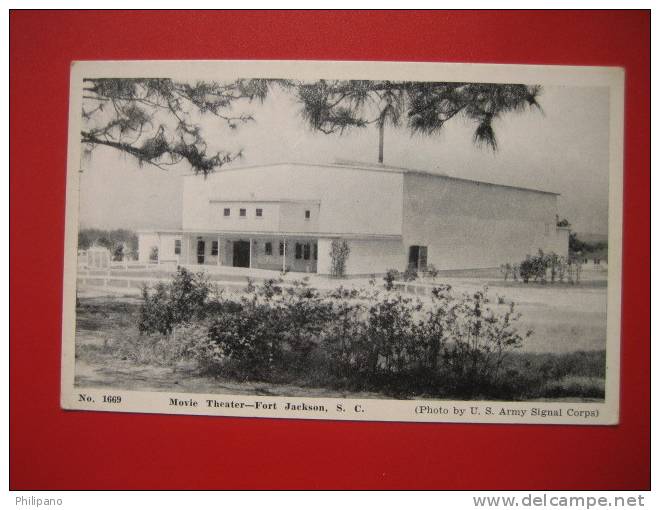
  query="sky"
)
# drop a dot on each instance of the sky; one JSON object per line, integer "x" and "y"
{"x": 564, "y": 149}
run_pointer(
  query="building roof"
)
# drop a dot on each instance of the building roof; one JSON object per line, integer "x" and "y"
{"x": 375, "y": 167}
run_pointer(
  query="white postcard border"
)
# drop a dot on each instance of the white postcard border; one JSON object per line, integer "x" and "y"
{"x": 605, "y": 413}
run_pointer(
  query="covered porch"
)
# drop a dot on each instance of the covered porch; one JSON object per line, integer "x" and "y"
{"x": 252, "y": 251}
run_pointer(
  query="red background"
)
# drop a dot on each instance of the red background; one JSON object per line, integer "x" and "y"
{"x": 53, "y": 449}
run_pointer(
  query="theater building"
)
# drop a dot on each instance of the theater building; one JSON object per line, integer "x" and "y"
{"x": 285, "y": 217}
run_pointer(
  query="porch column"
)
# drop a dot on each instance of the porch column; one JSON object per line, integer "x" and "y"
{"x": 250, "y": 264}
{"x": 218, "y": 250}
{"x": 188, "y": 254}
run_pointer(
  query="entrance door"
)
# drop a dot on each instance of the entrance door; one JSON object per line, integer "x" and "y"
{"x": 201, "y": 249}
{"x": 241, "y": 254}
{"x": 417, "y": 258}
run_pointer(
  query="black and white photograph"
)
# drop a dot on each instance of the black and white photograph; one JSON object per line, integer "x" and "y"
{"x": 344, "y": 241}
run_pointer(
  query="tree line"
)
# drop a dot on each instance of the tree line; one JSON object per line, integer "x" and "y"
{"x": 120, "y": 242}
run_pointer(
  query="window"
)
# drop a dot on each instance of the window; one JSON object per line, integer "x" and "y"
{"x": 214, "y": 248}
{"x": 281, "y": 248}
{"x": 308, "y": 214}
{"x": 177, "y": 247}
{"x": 259, "y": 213}
{"x": 547, "y": 229}
{"x": 298, "y": 250}
{"x": 316, "y": 251}
{"x": 306, "y": 251}
{"x": 227, "y": 211}
{"x": 242, "y": 212}
{"x": 268, "y": 247}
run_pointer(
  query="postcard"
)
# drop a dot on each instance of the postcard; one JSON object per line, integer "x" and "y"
{"x": 375, "y": 241}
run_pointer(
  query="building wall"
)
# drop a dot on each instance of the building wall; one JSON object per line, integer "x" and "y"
{"x": 351, "y": 201}
{"x": 166, "y": 248}
{"x": 560, "y": 243}
{"x": 146, "y": 240}
{"x": 474, "y": 225}
{"x": 464, "y": 224}
{"x": 260, "y": 259}
{"x": 214, "y": 215}
{"x": 164, "y": 243}
{"x": 372, "y": 256}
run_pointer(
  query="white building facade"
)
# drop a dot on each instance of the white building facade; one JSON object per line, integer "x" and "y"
{"x": 286, "y": 216}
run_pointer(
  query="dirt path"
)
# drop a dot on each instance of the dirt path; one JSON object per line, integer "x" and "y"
{"x": 126, "y": 375}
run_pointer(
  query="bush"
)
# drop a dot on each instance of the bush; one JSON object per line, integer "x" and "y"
{"x": 118, "y": 253}
{"x": 481, "y": 339}
{"x": 538, "y": 267}
{"x": 243, "y": 341}
{"x": 533, "y": 267}
{"x": 453, "y": 346}
{"x": 182, "y": 301}
{"x": 390, "y": 277}
{"x": 339, "y": 252}
{"x": 410, "y": 274}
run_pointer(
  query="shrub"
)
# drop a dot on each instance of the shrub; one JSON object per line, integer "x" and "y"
{"x": 533, "y": 267}
{"x": 480, "y": 341}
{"x": 156, "y": 312}
{"x": 343, "y": 338}
{"x": 536, "y": 268}
{"x": 342, "y": 293}
{"x": 339, "y": 252}
{"x": 118, "y": 253}
{"x": 410, "y": 274}
{"x": 390, "y": 335}
{"x": 179, "y": 302}
{"x": 302, "y": 314}
{"x": 244, "y": 341}
{"x": 454, "y": 345}
{"x": 432, "y": 272}
{"x": 390, "y": 277}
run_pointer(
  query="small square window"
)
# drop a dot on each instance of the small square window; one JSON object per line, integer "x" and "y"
{"x": 214, "y": 248}
{"x": 308, "y": 214}
{"x": 259, "y": 213}
{"x": 227, "y": 211}
{"x": 268, "y": 248}
{"x": 242, "y": 212}
{"x": 177, "y": 247}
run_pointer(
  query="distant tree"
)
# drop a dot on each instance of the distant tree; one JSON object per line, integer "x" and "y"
{"x": 155, "y": 119}
{"x": 563, "y": 223}
{"x": 105, "y": 242}
{"x": 333, "y": 106}
{"x": 110, "y": 239}
{"x": 575, "y": 245}
{"x": 84, "y": 241}
{"x": 118, "y": 252}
